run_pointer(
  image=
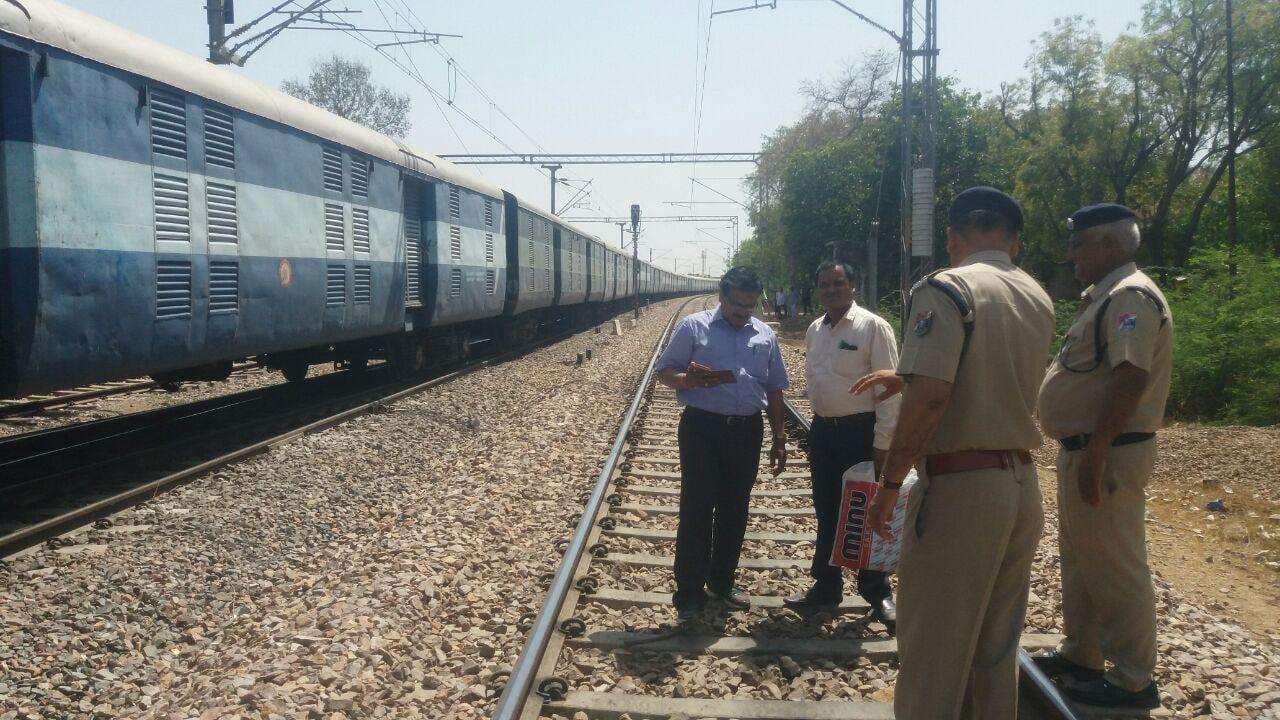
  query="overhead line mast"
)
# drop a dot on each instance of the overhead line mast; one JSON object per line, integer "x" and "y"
{"x": 919, "y": 129}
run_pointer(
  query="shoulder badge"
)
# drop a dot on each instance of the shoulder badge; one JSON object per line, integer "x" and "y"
{"x": 923, "y": 323}
{"x": 1127, "y": 322}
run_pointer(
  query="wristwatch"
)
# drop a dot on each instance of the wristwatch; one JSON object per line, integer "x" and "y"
{"x": 890, "y": 486}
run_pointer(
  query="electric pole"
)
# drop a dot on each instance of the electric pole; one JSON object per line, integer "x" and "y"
{"x": 919, "y": 195}
{"x": 553, "y": 169}
{"x": 635, "y": 258}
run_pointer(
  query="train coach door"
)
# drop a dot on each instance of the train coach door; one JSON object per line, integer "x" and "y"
{"x": 413, "y": 248}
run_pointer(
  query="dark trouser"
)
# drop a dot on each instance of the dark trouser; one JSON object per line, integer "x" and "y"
{"x": 833, "y": 448}
{"x": 719, "y": 460}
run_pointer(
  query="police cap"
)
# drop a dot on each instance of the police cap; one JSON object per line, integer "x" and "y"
{"x": 1095, "y": 215}
{"x": 989, "y": 199}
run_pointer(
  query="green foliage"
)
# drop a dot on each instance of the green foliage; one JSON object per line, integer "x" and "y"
{"x": 1064, "y": 315}
{"x": 343, "y": 87}
{"x": 1227, "y": 340}
{"x": 1140, "y": 120}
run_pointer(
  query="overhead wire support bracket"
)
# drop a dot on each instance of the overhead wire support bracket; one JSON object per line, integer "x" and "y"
{"x": 314, "y": 15}
{"x": 757, "y": 5}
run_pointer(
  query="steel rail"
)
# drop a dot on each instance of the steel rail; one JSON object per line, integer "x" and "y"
{"x": 524, "y": 674}
{"x": 1032, "y": 677}
{"x": 34, "y": 534}
{"x": 20, "y": 406}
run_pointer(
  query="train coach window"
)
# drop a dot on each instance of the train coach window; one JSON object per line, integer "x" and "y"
{"x": 168, "y": 124}
{"x": 362, "y": 288}
{"x": 334, "y": 227}
{"x": 332, "y": 159}
{"x": 455, "y": 283}
{"x": 173, "y": 289}
{"x": 221, "y": 214}
{"x": 360, "y": 230}
{"x": 172, "y": 202}
{"x": 335, "y": 289}
{"x": 360, "y": 177}
{"x": 224, "y": 286}
{"x": 219, "y": 137}
{"x": 455, "y": 203}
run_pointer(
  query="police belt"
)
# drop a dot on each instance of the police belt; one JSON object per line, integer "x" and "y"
{"x": 1078, "y": 442}
{"x": 958, "y": 462}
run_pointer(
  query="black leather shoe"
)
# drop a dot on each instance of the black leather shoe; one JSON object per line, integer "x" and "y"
{"x": 734, "y": 598}
{"x": 1101, "y": 693}
{"x": 686, "y": 615}
{"x": 886, "y": 611}
{"x": 1056, "y": 666}
{"x": 812, "y": 601}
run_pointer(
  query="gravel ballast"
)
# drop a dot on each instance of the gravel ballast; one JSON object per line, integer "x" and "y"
{"x": 376, "y": 569}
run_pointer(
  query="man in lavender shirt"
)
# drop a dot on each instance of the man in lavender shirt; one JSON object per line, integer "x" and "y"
{"x": 726, "y": 368}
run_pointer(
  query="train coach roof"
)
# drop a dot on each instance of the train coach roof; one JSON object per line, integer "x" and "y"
{"x": 56, "y": 25}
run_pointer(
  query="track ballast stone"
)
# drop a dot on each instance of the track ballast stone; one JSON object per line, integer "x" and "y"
{"x": 376, "y": 569}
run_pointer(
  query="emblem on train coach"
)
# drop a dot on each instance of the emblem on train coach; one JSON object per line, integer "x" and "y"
{"x": 285, "y": 272}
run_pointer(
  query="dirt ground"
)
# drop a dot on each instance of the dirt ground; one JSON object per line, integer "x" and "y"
{"x": 1226, "y": 559}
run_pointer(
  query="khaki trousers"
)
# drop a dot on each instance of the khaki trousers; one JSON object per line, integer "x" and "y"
{"x": 962, "y": 593}
{"x": 1108, "y": 604}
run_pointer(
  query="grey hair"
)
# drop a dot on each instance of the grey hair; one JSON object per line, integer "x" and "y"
{"x": 1124, "y": 233}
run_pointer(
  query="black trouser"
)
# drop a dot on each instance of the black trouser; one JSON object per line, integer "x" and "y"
{"x": 719, "y": 459}
{"x": 835, "y": 446}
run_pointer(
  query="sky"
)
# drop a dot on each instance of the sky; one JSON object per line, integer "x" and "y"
{"x": 626, "y": 76}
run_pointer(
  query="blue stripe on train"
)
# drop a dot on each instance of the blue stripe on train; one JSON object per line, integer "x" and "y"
{"x": 96, "y": 318}
{"x": 89, "y": 107}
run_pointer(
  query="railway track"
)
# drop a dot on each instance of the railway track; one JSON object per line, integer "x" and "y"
{"x": 610, "y": 599}
{"x": 55, "y": 481}
{"x": 36, "y": 403}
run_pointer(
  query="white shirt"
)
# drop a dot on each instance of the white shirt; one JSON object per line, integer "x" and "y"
{"x": 837, "y": 356}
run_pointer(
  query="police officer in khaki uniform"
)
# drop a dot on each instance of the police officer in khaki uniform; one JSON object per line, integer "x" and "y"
{"x": 1103, "y": 399}
{"x": 975, "y": 348}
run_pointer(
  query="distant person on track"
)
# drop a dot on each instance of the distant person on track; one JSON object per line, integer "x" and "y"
{"x": 793, "y": 303}
{"x": 726, "y": 367}
{"x": 1104, "y": 400}
{"x": 842, "y": 346}
{"x": 975, "y": 349}
{"x": 780, "y": 304}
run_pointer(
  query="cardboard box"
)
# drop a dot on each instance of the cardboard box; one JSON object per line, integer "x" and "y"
{"x": 856, "y": 546}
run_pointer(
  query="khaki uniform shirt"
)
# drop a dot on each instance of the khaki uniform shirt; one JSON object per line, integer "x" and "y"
{"x": 838, "y": 354}
{"x": 995, "y": 377}
{"x": 1074, "y": 389}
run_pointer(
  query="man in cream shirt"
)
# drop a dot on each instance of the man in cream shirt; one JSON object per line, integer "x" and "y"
{"x": 842, "y": 346}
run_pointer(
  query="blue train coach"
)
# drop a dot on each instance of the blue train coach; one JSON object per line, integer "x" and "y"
{"x": 161, "y": 216}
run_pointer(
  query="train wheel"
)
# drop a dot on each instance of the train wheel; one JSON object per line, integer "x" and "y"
{"x": 408, "y": 356}
{"x": 295, "y": 372}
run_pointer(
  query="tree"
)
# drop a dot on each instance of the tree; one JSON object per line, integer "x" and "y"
{"x": 343, "y": 87}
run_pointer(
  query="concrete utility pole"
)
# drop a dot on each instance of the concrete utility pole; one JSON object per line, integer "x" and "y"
{"x": 919, "y": 98}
